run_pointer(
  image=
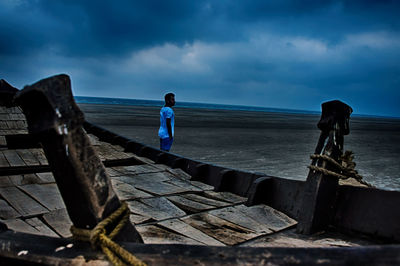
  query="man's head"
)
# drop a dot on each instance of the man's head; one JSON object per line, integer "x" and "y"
{"x": 169, "y": 99}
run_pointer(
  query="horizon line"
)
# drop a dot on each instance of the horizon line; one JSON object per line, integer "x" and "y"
{"x": 287, "y": 110}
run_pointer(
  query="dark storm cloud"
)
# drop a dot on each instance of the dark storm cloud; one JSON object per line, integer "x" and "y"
{"x": 115, "y": 27}
{"x": 102, "y": 27}
{"x": 291, "y": 54}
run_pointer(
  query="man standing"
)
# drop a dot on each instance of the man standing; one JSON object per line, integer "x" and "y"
{"x": 167, "y": 121}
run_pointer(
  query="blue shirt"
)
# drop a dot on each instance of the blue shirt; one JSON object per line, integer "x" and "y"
{"x": 166, "y": 112}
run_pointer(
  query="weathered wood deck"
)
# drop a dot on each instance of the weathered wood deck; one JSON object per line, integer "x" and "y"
{"x": 166, "y": 205}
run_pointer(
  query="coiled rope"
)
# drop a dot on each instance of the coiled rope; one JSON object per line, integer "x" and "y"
{"x": 98, "y": 237}
{"x": 345, "y": 170}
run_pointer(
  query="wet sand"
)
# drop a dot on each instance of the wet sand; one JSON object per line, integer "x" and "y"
{"x": 270, "y": 143}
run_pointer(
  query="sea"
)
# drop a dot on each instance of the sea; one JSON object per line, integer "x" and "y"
{"x": 137, "y": 102}
{"x": 212, "y": 106}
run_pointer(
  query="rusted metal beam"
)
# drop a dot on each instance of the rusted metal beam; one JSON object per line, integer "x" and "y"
{"x": 56, "y": 121}
{"x": 320, "y": 190}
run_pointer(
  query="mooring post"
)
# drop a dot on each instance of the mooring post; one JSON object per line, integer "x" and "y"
{"x": 320, "y": 189}
{"x": 56, "y": 121}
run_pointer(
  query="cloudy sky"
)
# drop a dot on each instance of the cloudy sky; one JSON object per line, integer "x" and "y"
{"x": 286, "y": 54}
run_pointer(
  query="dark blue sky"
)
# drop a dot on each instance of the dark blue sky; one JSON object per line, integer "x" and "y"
{"x": 285, "y": 54}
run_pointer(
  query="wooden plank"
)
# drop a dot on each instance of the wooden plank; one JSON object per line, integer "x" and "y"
{"x": 16, "y": 180}
{"x": 138, "y": 219}
{"x": 59, "y": 221}
{"x": 6, "y": 211}
{"x": 13, "y": 158}
{"x": 184, "y": 184}
{"x": 46, "y": 177}
{"x": 162, "y": 204}
{"x": 157, "y": 187}
{"x": 190, "y": 232}
{"x": 123, "y": 155}
{"x": 138, "y": 169}
{"x": 11, "y": 124}
{"x": 5, "y": 181}
{"x": 20, "y": 117}
{"x": 290, "y": 239}
{"x": 205, "y": 200}
{"x": 21, "y": 124}
{"x": 39, "y": 154}
{"x": 111, "y": 171}
{"x": 19, "y": 180}
{"x": 201, "y": 185}
{"x": 126, "y": 191}
{"x": 274, "y": 219}
{"x": 144, "y": 160}
{"x": 41, "y": 227}
{"x": 3, "y": 125}
{"x": 225, "y": 196}
{"x": 109, "y": 146}
{"x": 224, "y": 231}
{"x": 22, "y": 203}
{"x": 13, "y": 117}
{"x": 144, "y": 178}
{"x": 179, "y": 173}
{"x": 287, "y": 239}
{"x": 17, "y": 131}
{"x": 3, "y": 160}
{"x": 155, "y": 235}
{"x": 161, "y": 167}
{"x": 234, "y": 215}
{"x": 28, "y": 157}
{"x": 47, "y": 194}
{"x": 113, "y": 153}
{"x": 189, "y": 205}
{"x": 156, "y": 208}
{"x": 3, "y": 141}
{"x": 20, "y": 226}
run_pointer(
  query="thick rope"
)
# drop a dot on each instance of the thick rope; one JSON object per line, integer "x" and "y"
{"x": 344, "y": 171}
{"x": 98, "y": 238}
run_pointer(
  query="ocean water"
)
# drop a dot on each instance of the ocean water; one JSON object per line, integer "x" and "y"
{"x": 136, "y": 102}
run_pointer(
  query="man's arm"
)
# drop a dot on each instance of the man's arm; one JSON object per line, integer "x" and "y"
{"x": 169, "y": 127}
